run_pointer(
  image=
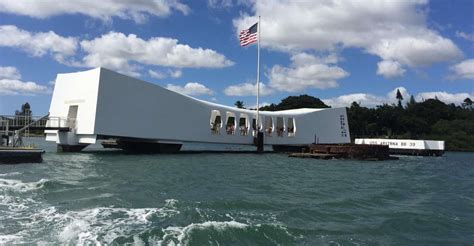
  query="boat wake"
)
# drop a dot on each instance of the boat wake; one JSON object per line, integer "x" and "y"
{"x": 20, "y": 186}
{"x": 29, "y": 220}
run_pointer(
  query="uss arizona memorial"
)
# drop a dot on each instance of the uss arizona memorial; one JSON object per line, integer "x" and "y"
{"x": 102, "y": 104}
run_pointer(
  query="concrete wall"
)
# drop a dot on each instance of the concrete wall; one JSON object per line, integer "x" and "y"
{"x": 79, "y": 89}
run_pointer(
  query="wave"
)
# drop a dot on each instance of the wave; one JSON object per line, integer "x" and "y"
{"x": 105, "y": 224}
{"x": 4, "y": 239}
{"x": 138, "y": 226}
{"x": 182, "y": 234}
{"x": 9, "y": 174}
{"x": 21, "y": 186}
{"x": 223, "y": 232}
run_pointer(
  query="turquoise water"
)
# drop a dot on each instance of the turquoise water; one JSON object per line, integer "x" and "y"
{"x": 236, "y": 199}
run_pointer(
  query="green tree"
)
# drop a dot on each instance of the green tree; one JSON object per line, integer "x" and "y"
{"x": 399, "y": 98}
{"x": 239, "y": 104}
{"x": 295, "y": 102}
{"x": 467, "y": 102}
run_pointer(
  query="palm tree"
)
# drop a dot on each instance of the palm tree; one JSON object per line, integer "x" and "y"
{"x": 239, "y": 104}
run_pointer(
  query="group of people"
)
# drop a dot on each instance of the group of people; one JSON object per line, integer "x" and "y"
{"x": 215, "y": 126}
{"x": 279, "y": 130}
{"x": 244, "y": 130}
{"x": 230, "y": 130}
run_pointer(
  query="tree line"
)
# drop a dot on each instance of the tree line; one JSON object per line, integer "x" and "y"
{"x": 430, "y": 119}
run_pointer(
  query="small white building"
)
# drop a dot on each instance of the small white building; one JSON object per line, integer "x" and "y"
{"x": 102, "y": 104}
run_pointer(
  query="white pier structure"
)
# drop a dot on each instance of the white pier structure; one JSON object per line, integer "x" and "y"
{"x": 104, "y": 104}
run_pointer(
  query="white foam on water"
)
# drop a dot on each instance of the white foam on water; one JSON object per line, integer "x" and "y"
{"x": 9, "y": 174}
{"x": 4, "y": 239}
{"x": 95, "y": 226}
{"x": 181, "y": 234}
{"x": 105, "y": 224}
{"x": 20, "y": 186}
{"x": 171, "y": 203}
{"x": 15, "y": 204}
{"x": 72, "y": 230}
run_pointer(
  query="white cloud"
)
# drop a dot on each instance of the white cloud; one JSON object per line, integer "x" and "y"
{"x": 364, "y": 99}
{"x": 9, "y": 73}
{"x": 466, "y": 36}
{"x": 446, "y": 97}
{"x": 117, "y": 51}
{"x": 217, "y": 4}
{"x": 165, "y": 74}
{"x": 392, "y": 30}
{"x": 247, "y": 89}
{"x": 422, "y": 49}
{"x": 302, "y": 59}
{"x": 306, "y": 71}
{"x": 392, "y": 95}
{"x": 390, "y": 69}
{"x": 17, "y": 87}
{"x": 175, "y": 73}
{"x": 371, "y": 100}
{"x": 191, "y": 88}
{"x": 38, "y": 44}
{"x": 114, "y": 50}
{"x": 463, "y": 70}
{"x": 138, "y": 11}
{"x": 10, "y": 83}
{"x": 254, "y": 106}
{"x": 157, "y": 74}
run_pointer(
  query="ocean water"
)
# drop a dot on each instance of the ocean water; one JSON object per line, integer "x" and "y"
{"x": 113, "y": 198}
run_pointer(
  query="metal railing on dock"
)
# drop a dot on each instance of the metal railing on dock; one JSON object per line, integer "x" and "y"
{"x": 16, "y": 122}
{"x": 17, "y": 126}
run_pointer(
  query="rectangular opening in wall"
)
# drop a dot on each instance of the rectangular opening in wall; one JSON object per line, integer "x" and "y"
{"x": 243, "y": 124}
{"x": 268, "y": 125}
{"x": 71, "y": 116}
{"x": 254, "y": 126}
{"x": 215, "y": 121}
{"x": 280, "y": 126}
{"x": 230, "y": 123}
{"x": 291, "y": 129}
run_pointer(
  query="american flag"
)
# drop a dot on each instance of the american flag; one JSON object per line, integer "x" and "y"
{"x": 249, "y": 36}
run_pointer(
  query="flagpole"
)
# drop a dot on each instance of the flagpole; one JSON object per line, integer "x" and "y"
{"x": 258, "y": 75}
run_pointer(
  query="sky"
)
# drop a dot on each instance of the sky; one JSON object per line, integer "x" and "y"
{"x": 338, "y": 50}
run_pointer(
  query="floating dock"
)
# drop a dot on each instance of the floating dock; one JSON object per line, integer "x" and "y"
{"x": 345, "y": 151}
{"x": 406, "y": 146}
{"x": 14, "y": 155}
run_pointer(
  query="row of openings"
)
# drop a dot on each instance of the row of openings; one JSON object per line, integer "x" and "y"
{"x": 241, "y": 127}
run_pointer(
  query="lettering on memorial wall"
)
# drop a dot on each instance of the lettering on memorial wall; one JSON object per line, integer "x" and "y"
{"x": 343, "y": 126}
{"x": 394, "y": 143}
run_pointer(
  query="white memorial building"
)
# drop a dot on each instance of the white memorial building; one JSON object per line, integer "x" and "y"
{"x": 101, "y": 104}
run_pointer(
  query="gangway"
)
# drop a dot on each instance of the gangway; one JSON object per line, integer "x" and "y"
{"x": 18, "y": 125}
